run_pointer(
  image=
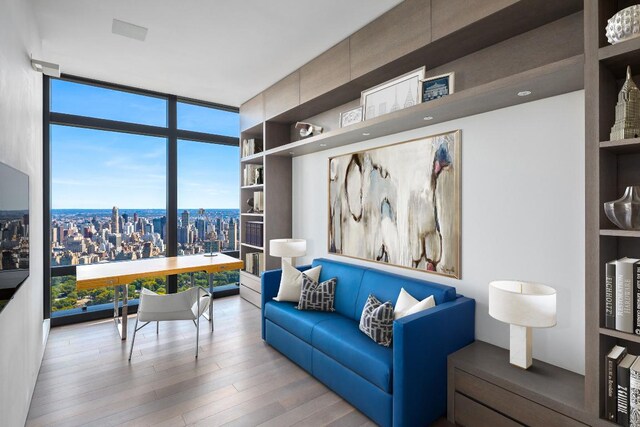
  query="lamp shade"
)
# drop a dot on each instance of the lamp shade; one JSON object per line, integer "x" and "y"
{"x": 522, "y": 303}
{"x": 287, "y": 248}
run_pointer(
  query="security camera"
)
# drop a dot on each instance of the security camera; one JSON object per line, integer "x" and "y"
{"x": 308, "y": 129}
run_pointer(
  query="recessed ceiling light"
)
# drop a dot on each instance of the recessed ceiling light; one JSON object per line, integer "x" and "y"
{"x": 524, "y": 93}
{"x": 129, "y": 30}
{"x": 365, "y": 134}
{"x": 323, "y": 145}
{"x": 428, "y": 118}
{"x": 291, "y": 152}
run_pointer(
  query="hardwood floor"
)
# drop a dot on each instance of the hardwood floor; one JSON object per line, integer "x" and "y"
{"x": 237, "y": 380}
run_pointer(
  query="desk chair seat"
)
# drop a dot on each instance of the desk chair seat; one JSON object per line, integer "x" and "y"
{"x": 186, "y": 305}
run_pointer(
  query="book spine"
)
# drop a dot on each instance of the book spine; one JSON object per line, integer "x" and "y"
{"x": 612, "y": 391}
{"x": 610, "y": 296}
{"x": 634, "y": 398}
{"x": 623, "y": 396}
{"x": 624, "y": 297}
{"x": 636, "y": 298}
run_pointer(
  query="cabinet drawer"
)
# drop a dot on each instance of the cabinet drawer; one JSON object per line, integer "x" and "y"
{"x": 508, "y": 403}
{"x": 251, "y": 296}
{"x": 469, "y": 413}
{"x": 251, "y": 282}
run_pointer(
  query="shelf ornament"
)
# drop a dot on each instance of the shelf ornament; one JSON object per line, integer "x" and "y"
{"x": 624, "y": 25}
{"x": 627, "y": 124}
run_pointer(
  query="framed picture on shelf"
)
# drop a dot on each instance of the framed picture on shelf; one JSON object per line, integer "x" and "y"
{"x": 393, "y": 95}
{"x": 437, "y": 86}
{"x": 351, "y": 117}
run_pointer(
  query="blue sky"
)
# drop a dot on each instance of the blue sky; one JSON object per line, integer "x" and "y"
{"x": 93, "y": 169}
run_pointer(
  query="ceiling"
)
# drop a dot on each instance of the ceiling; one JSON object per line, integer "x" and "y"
{"x": 223, "y": 51}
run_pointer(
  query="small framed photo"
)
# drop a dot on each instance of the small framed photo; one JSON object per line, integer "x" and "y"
{"x": 393, "y": 95}
{"x": 351, "y": 117}
{"x": 437, "y": 86}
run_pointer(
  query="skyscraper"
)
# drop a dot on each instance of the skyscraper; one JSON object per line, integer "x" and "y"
{"x": 233, "y": 233}
{"x": 115, "y": 220}
{"x": 185, "y": 218}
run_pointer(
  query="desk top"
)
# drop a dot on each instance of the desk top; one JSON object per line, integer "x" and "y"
{"x": 120, "y": 273}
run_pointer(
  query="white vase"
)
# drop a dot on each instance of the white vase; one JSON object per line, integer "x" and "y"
{"x": 624, "y": 25}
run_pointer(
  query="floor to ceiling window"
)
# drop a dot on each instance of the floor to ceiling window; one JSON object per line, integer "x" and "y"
{"x": 134, "y": 175}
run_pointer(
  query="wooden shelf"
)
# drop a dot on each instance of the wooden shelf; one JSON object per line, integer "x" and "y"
{"x": 620, "y": 233}
{"x": 616, "y": 57}
{"x": 252, "y": 187}
{"x": 622, "y": 146}
{"x": 252, "y": 214}
{"x": 546, "y": 81}
{"x": 255, "y": 159}
{"x": 621, "y": 335}
{"x": 246, "y": 245}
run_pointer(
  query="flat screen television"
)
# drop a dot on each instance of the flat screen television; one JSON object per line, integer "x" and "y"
{"x": 14, "y": 230}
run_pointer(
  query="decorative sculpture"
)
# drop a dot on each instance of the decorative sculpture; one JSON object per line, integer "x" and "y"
{"x": 627, "y": 124}
{"x": 308, "y": 129}
{"x": 624, "y": 25}
{"x": 625, "y": 212}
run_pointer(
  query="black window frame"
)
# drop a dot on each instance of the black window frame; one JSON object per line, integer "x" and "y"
{"x": 171, "y": 133}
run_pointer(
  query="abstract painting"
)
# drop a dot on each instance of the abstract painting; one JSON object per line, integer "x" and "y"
{"x": 399, "y": 204}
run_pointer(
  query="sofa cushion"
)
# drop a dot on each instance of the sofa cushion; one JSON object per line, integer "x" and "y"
{"x": 339, "y": 338}
{"x": 297, "y": 322}
{"x": 317, "y": 296}
{"x": 386, "y": 287}
{"x": 349, "y": 277}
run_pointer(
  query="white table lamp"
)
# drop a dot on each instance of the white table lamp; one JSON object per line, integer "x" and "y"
{"x": 288, "y": 249}
{"x": 524, "y": 306}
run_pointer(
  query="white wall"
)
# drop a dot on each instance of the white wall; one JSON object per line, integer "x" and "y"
{"x": 22, "y": 331}
{"x": 522, "y": 212}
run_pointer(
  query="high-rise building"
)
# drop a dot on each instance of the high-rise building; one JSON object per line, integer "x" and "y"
{"x": 115, "y": 220}
{"x": 233, "y": 234}
{"x": 201, "y": 228}
{"x": 159, "y": 225}
{"x": 185, "y": 218}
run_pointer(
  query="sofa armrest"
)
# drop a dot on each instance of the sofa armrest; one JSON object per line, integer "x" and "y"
{"x": 270, "y": 284}
{"x": 421, "y": 344}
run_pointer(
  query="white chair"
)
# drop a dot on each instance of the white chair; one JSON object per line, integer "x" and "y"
{"x": 186, "y": 305}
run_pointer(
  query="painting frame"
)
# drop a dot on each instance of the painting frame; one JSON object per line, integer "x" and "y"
{"x": 450, "y": 78}
{"x": 352, "y": 116}
{"x": 388, "y": 91}
{"x": 456, "y": 197}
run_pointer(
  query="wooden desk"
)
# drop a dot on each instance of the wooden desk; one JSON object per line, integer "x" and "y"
{"x": 120, "y": 274}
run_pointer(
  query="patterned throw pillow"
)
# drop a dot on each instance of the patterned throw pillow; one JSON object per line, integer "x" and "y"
{"x": 377, "y": 321}
{"x": 317, "y": 296}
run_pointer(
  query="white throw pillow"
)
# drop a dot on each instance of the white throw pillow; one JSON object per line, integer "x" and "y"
{"x": 291, "y": 282}
{"x": 407, "y": 304}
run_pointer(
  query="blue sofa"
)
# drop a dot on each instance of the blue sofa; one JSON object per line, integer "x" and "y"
{"x": 401, "y": 385}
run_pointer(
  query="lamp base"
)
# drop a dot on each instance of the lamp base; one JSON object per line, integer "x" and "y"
{"x": 290, "y": 260}
{"x": 520, "y": 339}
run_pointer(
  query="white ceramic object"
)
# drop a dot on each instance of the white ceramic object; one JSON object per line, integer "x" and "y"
{"x": 624, "y": 25}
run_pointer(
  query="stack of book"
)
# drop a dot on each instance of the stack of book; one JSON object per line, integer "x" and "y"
{"x": 622, "y": 387}
{"x": 252, "y": 175}
{"x": 258, "y": 201}
{"x": 251, "y": 146}
{"x": 622, "y": 294}
{"x": 254, "y": 263}
{"x": 253, "y": 233}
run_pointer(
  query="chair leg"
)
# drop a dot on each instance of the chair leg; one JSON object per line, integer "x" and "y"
{"x": 197, "y": 335}
{"x": 157, "y": 328}
{"x": 133, "y": 340}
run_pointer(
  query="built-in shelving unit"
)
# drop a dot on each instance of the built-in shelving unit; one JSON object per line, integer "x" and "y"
{"x": 497, "y": 49}
{"x": 610, "y": 167}
{"x": 552, "y": 79}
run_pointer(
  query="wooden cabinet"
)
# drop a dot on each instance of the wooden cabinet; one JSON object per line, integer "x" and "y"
{"x": 448, "y": 16}
{"x": 326, "y": 72}
{"x": 282, "y": 96}
{"x": 252, "y": 112}
{"x": 402, "y": 30}
{"x": 484, "y": 389}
